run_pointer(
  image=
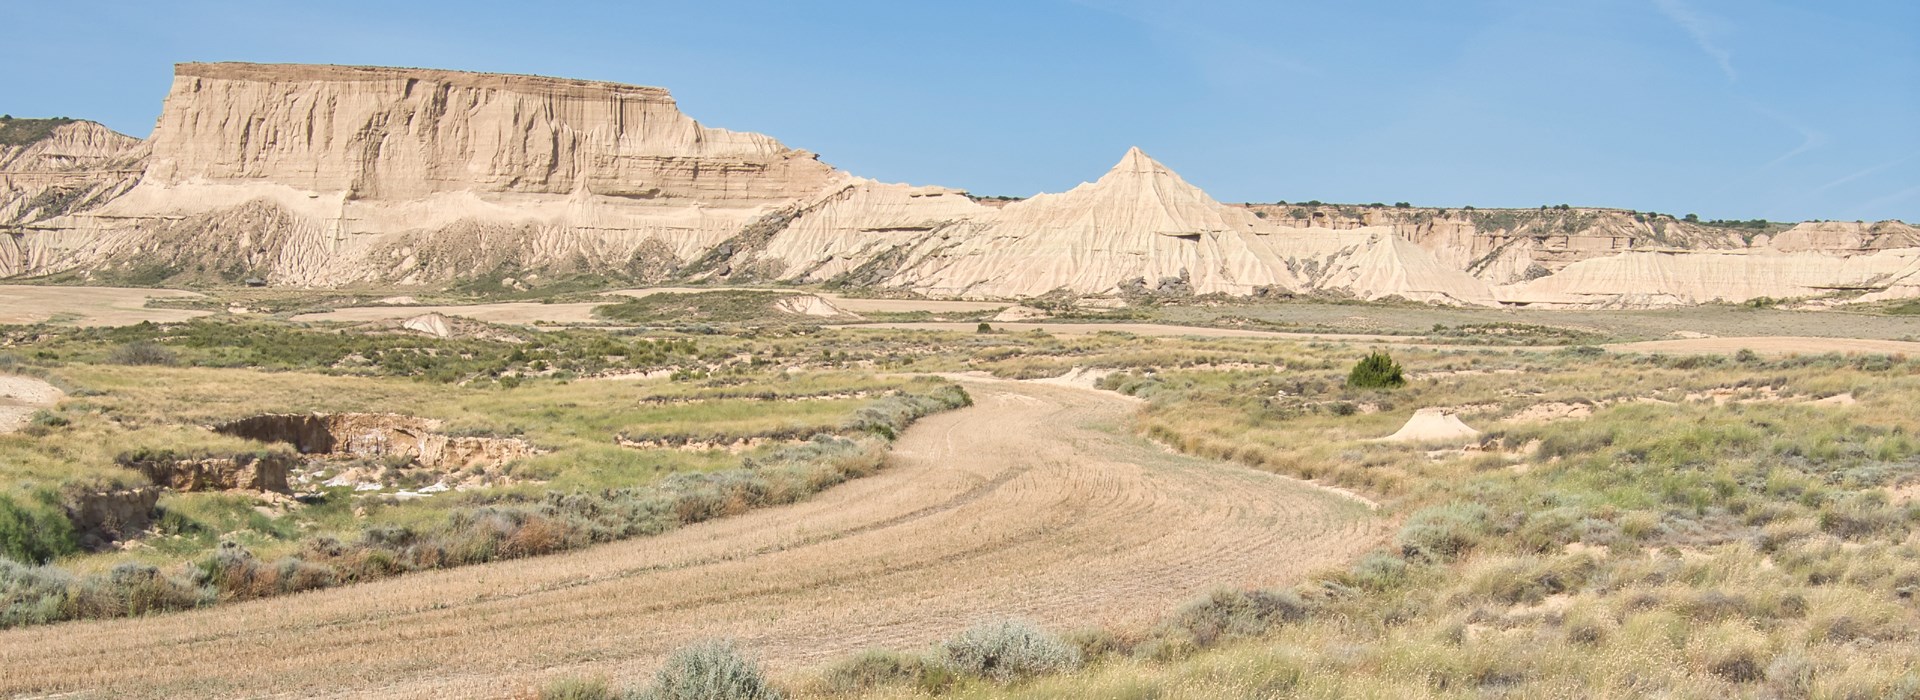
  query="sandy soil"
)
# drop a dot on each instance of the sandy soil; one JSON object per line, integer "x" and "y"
{"x": 1032, "y": 503}
{"x": 20, "y": 397}
{"x": 1147, "y": 329}
{"x": 510, "y": 313}
{"x": 1772, "y": 345}
{"x": 853, "y": 304}
{"x": 94, "y": 306}
{"x": 525, "y": 313}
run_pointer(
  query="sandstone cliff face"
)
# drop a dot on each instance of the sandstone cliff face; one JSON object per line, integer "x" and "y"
{"x": 397, "y": 134}
{"x": 329, "y": 175}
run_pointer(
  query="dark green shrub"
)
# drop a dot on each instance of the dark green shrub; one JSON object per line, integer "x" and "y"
{"x": 712, "y": 671}
{"x": 33, "y": 534}
{"x": 984, "y": 327}
{"x": 1376, "y": 371}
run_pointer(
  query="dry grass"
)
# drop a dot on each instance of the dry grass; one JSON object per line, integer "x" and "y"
{"x": 1056, "y": 518}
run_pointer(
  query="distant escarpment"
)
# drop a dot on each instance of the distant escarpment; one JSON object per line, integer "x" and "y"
{"x": 320, "y": 176}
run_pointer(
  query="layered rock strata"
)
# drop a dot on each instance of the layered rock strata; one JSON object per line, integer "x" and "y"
{"x": 333, "y": 175}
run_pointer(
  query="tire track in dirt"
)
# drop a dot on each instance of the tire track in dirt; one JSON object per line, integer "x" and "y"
{"x": 1030, "y": 503}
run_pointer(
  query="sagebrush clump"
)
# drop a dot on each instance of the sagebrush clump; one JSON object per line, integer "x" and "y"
{"x": 1007, "y": 650}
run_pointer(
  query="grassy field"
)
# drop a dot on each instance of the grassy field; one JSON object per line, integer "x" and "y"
{"x": 674, "y": 448}
{"x": 1624, "y": 525}
{"x": 1701, "y": 527}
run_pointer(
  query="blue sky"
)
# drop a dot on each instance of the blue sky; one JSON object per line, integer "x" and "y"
{"x": 1725, "y": 108}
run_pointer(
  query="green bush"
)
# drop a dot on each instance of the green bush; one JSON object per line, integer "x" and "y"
{"x": 1376, "y": 371}
{"x": 1441, "y": 533}
{"x": 1229, "y": 614}
{"x": 875, "y": 667}
{"x": 1006, "y": 651}
{"x": 141, "y": 353}
{"x": 33, "y": 535}
{"x": 711, "y": 671}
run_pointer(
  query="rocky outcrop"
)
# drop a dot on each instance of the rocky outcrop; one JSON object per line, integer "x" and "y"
{"x": 51, "y": 168}
{"x": 1668, "y": 278}
{"x": 263, "y": 472}
{"x": 100, "y": 518}
{"x": 1845, "y": 236}
{"x": 378, "y": 435}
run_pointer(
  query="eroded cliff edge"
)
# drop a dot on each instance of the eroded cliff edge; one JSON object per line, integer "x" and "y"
{"x": 308, "y": 175}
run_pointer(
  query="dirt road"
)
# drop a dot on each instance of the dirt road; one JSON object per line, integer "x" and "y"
{"x": 1032, "y": 503}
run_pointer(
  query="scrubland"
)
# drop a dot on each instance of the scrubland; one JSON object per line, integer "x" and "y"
{"x": 1625, "y": 525}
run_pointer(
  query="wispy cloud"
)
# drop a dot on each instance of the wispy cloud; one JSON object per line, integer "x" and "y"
{"x": 1865, "y": 172}
{"x": 1810, "y": 138}
{"x": 1702, "y": 29}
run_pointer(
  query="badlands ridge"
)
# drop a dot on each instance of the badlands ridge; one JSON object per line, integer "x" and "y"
{"x": 324, "y": 176}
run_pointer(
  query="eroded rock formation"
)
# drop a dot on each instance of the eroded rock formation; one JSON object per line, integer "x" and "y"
{"x": 100, "y": 518}
{"x": 331, "y": 175}
{"x": 378, "y": 435}
{"x": 263, "y": 472}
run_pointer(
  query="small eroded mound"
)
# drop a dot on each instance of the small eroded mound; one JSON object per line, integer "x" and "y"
{"x": 1433, "y": 425}
{"x": 20, "y": 397}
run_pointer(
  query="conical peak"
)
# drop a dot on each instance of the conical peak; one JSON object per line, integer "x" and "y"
{"x": 1137, "y": 161}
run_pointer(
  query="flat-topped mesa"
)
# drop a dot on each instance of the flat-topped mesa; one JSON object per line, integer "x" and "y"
{"x": 403, "y": 133}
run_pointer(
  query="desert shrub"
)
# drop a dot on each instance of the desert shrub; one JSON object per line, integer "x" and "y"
{"x": 579, "y": 689}
{"x": 141, "y": 352}
{"x": 144, "y": 590}
{"x": 44, "y": 594}
{"x": 1380, "y": 571}
{"x": 711, "y": 671}
{"x": 1863, "y": 515}
{"x": 875, "y": 667}
{"x": 33, "y": 533}
{"x": 1229, "y": 614}
{"x": 1376, "y": 371}
{"x": 984, "y": 327}
{"x": 1006, "y": 651}
{"x": 1441, "y": 533}
{"x": 31, "y": 595}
